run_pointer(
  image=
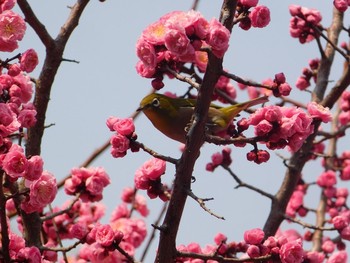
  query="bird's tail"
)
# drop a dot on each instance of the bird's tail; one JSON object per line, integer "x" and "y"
{"x": 234, "y": 110}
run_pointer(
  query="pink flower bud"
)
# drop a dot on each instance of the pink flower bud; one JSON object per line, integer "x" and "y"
{"x": 254, "y": 236}
{"x": 260, "y": 16}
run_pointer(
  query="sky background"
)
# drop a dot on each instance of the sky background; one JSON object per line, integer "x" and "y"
{"x": 105, "y": 83}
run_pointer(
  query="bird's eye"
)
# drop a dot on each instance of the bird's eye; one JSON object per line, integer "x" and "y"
{"x": 155, "y": 102}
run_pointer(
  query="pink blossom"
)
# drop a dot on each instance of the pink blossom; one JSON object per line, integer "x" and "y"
{"x": 124, "y": 126}
{"x": 345, "y": 233}
{"x": 16, "y": 244}
{"x": 26, "y": 88}
{"x": 140, "y": 205}
{"x": 328, "y": 246}
{"x": 78, "y": 231}
{"x": 217, "y": 158}
{"x": 144, "y": 71}
{"x": 220, "y": 239}
{"x": 14, "y": 70}
{"x": 177, "y": 42}
{"x": 292, "y": 252}
{"x": 141, "y": 181}
{"x": 318, "y": 111}
{"x": 104, "y": 235}
{"x": 199, "y": 23}
{"x": 155, "y": 33}
{"x": 249, "y": 3}
{"x": 284, "y": 89}
{"x": 90, "y": 182}
{"x": 6, "y": 5}
{"x": 302, "y": 83}
{"x": 146, "y": 53}
{"x": 253, "y": 251}
{"x": 295, "y": 202}
{"x": 29, "y": 254}
{"x": 315, "y": 257}
{"x": 95, "y": 183}
{"x": 254, "y": 236}
{"x": 345, "y": 173}
{"x": 35, "y": 168}
{"x": 201, "y": 60}
{"x": 120, "y": 144}
{"x": 263, "y": 128}
{"x": 338, "y": 257}
{"x": 15, "y": 162}
{"x": 218, "y": 38}
{"x": 29, "y": 60}
{"x": 153, "y": 168}
{"x": 27, "y": 116}
{"x": 43, "y": 190}
{"x": 134, "y": 230}
{"x": 327, "y": 179}
{"x": 12, "y": 29}
{"x": 8, "y": 120}
{"x": 260, "y": 16}
{"x": 341, "y": 5}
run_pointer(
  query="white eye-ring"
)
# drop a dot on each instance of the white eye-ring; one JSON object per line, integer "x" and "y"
{"x": 155, "y": 102}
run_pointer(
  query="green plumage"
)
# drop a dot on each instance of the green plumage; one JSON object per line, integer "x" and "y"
{"x": 171, "y": 116}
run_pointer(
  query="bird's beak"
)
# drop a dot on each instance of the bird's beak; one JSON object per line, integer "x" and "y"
{"x": 139, "y": 108}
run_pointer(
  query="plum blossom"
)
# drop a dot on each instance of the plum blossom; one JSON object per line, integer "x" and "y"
{"x": 29, "y": 60}
{"x": 318, "y": 111}
{"x": 89, "y": 182}
{"x": 12, "y": 29}
{"x": 301, "y": 21}
{"x": 177, "y": 38}
{"x": 254, "y": 236}
{"x": 260, "y": 16}
{"x": 14, "y": 163}
{"x": 42, "y": 192}
{"x": 292, "y": 252}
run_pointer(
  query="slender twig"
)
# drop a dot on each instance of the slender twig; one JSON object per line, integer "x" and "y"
{"x": 341, "y": 52}
{"x": 61, "y": 249}
{"x": 201, "y": 202}
{"x": 243, "y": 184}
{"x": 5, "y": 240}
{"x": 155, "y": 154}
{"x": 153, "y": 233}
{"x": 222, "y": 259}
{"x": 126, "y": 254}
{"x": 245, "y": 82}
{"x": 307, "y": 225}
{"x": 183, "y": 78}
{"x": 61, "y": 212}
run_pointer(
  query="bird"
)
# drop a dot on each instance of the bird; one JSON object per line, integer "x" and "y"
{"x": 171, "y": 116}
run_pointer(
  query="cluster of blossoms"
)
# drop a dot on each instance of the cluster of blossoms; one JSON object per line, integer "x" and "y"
{"x": 88, "y": 182}
{"x": 124, "y": 132}
{"x": 148, "y": 177}
{"x": 284, "y": 126}
{"x": 285, "y": 247}
{"x": 100, "y": 241}
{"x": 223, "y": 158}
{"x": 278, "y": 87}
{"x": 258, "y": 17}
{"x": 341, "y": 5}
{"x": 177, "y": 38}
{"x": 303, "y": 81}
{"x": 303, "y": 23}
{"x": 344, "y": 116}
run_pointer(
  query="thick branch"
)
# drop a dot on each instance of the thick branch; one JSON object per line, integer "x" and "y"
{"x": 53, "y": 59}
{"x": 300, "y": 157}
{"x": 167, "y": 242}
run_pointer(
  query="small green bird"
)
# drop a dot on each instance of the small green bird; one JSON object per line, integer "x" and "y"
{"x": 171, "y": 116}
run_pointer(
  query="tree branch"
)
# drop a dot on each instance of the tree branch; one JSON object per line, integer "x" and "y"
{"x": 167, "y": 242}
